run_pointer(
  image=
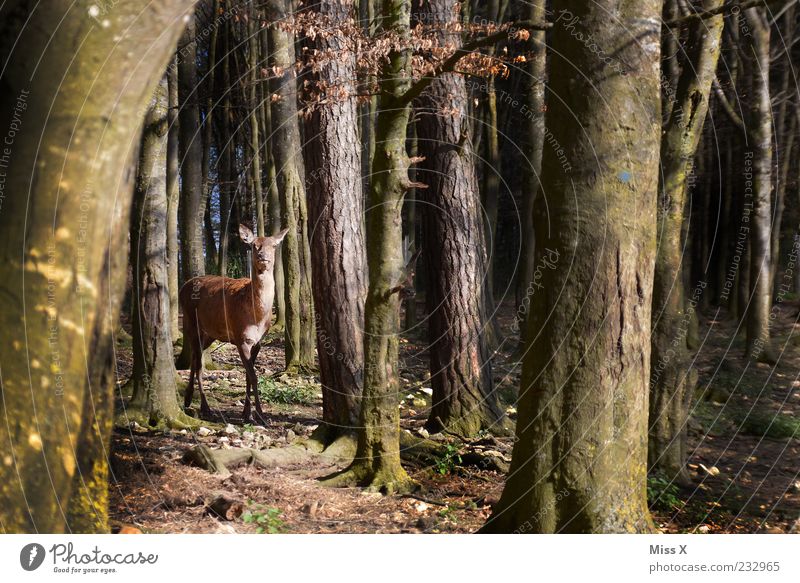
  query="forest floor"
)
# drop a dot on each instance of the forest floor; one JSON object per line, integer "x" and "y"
{"x": 744, "y": 437}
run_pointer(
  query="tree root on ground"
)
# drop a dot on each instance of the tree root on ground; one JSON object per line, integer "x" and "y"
{"x": 338, "y": 451}
{"x": 156, "y": 422}
{"x": 385, "y": 480}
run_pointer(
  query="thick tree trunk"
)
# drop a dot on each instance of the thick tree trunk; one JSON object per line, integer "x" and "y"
{"x": 53, "y": 266}
{"x": 333, "y": 165}
{"x": 671, "y": 377}
{"x": 87, "y": 511}
{"x": 286, "y": 150}
{"x": 760, "y": 137}
{"x": 154, "y": 401}
{"x": 580, "y": 460}
{"x": 377, "y": 461}
{"x": 464, "y": 401}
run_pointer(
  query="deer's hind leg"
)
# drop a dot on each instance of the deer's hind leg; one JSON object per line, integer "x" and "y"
{"x": 190, "y": 336}
{"x": 203, "y": 343}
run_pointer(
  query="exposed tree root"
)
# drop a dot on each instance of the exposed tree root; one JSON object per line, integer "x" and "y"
{"x": 360, "y": 473}
{"x": 156, "y": 421}
{"x": 387, "y": 478}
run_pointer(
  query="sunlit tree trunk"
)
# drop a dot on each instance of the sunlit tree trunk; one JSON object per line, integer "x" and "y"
{"x": 154, "y": 401}
{"x": 75, "y": 82}
{"x": 287, "y": 154}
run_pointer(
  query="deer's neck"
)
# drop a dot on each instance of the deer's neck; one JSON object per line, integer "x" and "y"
{"x": 263, "y": 286}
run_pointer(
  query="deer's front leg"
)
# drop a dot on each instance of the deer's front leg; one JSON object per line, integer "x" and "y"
{"x": 253, "y": 355}
{"x": 245, "y": 353}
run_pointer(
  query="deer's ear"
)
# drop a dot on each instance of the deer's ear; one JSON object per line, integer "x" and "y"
{"x": 246, "y": 234}
{"x": 278, "y": 239}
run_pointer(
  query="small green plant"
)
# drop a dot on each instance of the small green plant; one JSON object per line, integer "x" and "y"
{"x": 662, "y": 494}
{"x": 248, "y": 428}
{"x": 448, "y": 460}
{"x": 267, "y": 520}
{"x": 281, "y": 394}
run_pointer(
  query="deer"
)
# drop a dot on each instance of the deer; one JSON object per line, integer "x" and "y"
{"x": 238, "y": 311}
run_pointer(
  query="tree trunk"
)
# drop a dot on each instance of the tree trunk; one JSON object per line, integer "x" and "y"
{"x": 333, "y": 164}
{"x": 580, "y": 460}
{"x": 760, "y": 134}
{"x": 193, "y": 200}
{"x": 671, "y": 378}
{"x": 255, "y": 106}
{"x": 534, "y": 115}
{"x": 87, "y": 511}
{"x": 464, "y": 401}
{"x": 53, "y": 267}
{"x": 377, "y": 461}
{"x": 786, "y": 131}
{"x": 273, "y": 206}
{"x": 173, "y": 197}
{"x": 286, "y": 150}
{"x": 154, "y": 401}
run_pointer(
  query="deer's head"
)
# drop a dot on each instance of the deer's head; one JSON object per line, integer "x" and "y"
{"x": 263, "y": 248}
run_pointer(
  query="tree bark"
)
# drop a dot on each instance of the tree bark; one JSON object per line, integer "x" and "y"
{"x": 173, "y": 197}
{"x": 154, "y": 401}
{"x": 333, "y": 164}
{"x": 377, "y": 461}
{"x": 759, "y": 346}
{"x": 87, "y": 511}
{"x": 464, "y": 401}
{"x": 533, "y": 166}
{"x": 580, "y": 460}
{"x": 74, "y": 82}
{"x": 286, "y": 150}
{"x": 192, "y": 198}
{"x": 671, "y": 378}
{"x": 255, "y": 107}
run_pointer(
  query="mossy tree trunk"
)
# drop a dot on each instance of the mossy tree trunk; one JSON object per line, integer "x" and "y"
{"x": 671, "y": 377}
{"x": 464, "y": 401}
{"x": 377, "y": 461}
{"x": 287, "y": 154}
{"x": 54, "y": 231}
{"x": 154, "y": 401}
{"x": 333, "y": 165}
{"x": 87, "y": 511}
{"x": 580, "y": 460}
